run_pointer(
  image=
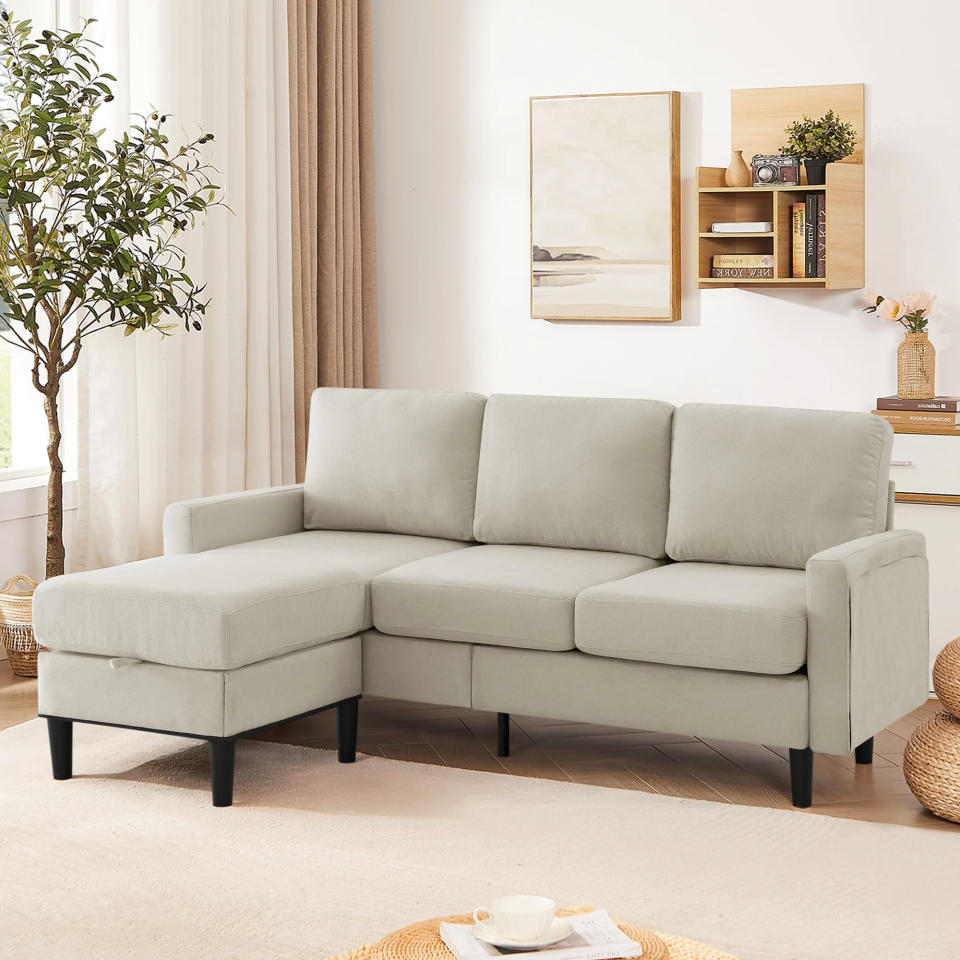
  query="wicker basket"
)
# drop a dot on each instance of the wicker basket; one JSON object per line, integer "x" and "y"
{"x": 16, "y": 626}
{"x": 931, "y": 765}
{"x": 946, "y": 676}
{"x": 916, "y": 368}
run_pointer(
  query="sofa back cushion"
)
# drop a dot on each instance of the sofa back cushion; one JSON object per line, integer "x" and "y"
{"x": 575, "y": 472}
{"x": 771, "y": 487}
{"x": 395, "y": 461}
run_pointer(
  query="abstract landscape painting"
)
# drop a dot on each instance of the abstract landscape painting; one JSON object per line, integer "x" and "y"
{"x": 604, "y": 218}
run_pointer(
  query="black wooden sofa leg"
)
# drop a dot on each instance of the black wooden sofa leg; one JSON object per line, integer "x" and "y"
{"x": 347, "y": 730}
{"x": 801, "y": 776}
{"x": 864, "y": 753}
{"x": 503, "y": 734}
{"x": 222, "y": 753}
{"x": 60, "y": 733}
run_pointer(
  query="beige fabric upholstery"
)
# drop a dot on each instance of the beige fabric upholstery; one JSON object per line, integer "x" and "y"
{"x": 771, "y": 487}
{"x": 868, "y": 637}
{"x": 363, "y": 554}
{"x": 575, "y": 472}
{"x": 410, "y": 668}
{"x": 210, "y": 703}
{"x": 712, "y": 615}
{"x": 194, "y": 525}
{"x": 508, "y": 595}
{"x": 214, "y": 610}
{"x": 775, "y": 522}
{"x": 643, "y": 696}
{"x": 393, "y": 461}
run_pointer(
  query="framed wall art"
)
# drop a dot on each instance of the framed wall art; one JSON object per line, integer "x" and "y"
{"x": 605, "y": 207}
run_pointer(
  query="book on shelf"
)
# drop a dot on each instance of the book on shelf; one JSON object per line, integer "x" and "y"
{"x": 742, "y": 260}
{"x": 946, "y": 404}
{"x": 810, "y": 236}
{"x": 742, "y": 226}
{"x": 742, "y": 273}
{"x": 920, "y": 418}
{"x": 821, "y": 235}
{"x": 798, "y": 234}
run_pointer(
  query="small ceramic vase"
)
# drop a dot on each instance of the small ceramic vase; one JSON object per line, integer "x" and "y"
{"x": 738, "y": 173}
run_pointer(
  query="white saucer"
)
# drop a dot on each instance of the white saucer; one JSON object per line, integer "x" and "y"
{"x": 557, "y": 931}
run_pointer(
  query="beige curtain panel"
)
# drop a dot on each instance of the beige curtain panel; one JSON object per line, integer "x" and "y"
{"x": 334, "y": 266}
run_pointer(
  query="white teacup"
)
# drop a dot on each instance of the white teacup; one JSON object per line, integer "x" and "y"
{"x": 520, "y": 917}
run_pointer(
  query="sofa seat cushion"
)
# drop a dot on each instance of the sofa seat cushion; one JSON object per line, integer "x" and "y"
{"x": 714, "y": 615}
{"x": 514, "y": 596}
{"x": 214, "y": 610}
{"x": 228, "y": 607}
{"x": 363, "y": 554}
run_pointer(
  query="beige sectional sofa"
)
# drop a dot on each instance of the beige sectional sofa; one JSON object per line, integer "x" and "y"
{"x": 711, "y": 570}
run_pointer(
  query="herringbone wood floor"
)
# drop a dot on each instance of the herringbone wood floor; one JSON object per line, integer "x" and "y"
{"x": 678, "y": 766}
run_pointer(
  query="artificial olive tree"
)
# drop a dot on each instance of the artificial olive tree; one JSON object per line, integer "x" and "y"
{"x": 89, "y": 225}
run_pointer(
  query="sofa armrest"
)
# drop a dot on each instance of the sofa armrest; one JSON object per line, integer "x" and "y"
{"x": 868, "y": 646}
{"x": 195, "y": 525}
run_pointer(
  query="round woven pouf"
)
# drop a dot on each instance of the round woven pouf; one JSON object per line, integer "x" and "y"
{"x": 421, "y": 941}
{"x": 946, "y": 676}
{"x": 931, "y": 765}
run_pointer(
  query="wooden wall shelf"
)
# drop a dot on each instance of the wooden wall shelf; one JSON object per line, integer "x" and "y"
{"x": 758, "y": 119}
{"x": 926, "y": 431}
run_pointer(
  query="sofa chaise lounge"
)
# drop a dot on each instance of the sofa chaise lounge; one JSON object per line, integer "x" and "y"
{"x": 722, "y": 571}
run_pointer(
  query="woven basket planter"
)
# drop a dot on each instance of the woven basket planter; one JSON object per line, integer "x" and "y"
{"x": 916, "y": 368}
{"x": 946, "y": 676}
{"x": 931, "y": 765}
{"x": 16, "y": 626}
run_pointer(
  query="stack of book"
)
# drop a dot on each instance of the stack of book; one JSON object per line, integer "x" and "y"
{"x": 742, "y": 266}
{"x": 809, "y": 232}
{"x": 936, "y": 415}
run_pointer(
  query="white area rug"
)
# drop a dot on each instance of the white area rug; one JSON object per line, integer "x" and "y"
{"x": 130, "y": 860}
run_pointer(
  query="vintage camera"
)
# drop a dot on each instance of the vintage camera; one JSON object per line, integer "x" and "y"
{"x": 771, "y": 170}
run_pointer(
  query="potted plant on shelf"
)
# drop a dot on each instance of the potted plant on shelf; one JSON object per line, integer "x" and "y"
{"x": 819, "y": 142}
{"x": 916, "y": 356}
{"x": 88, "y": 228}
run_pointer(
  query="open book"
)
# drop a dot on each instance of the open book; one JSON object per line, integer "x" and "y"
{"x": 594, "y": 937}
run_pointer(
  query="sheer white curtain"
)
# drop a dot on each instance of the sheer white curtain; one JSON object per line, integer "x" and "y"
{"x": 198, "y": 413}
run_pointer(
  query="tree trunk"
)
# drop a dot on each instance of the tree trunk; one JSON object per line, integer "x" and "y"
{"x": 55, "y": 551}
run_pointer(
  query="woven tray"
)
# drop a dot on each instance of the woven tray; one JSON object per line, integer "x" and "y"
{"x": 421, "y": 941}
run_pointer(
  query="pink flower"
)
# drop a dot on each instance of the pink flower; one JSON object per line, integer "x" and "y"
{"x": 920, "y": 302}
{"x": 889, "y": 311}
{"x": 871, "y": 297}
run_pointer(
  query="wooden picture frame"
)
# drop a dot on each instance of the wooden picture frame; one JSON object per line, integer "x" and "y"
{"x": 605, "y": 207}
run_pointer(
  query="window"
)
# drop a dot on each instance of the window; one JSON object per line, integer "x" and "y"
{"x": 23, "y": 425}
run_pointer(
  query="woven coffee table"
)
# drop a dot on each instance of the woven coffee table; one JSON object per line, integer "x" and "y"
{"x": 421, "y": 941}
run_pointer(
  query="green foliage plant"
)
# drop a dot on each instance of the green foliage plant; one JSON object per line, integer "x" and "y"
{"x": 828, "y": 138}
{"x": 88, "y": 227}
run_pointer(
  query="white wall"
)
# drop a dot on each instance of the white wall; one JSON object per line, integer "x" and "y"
{"x": 23, "y": 528}
{"x": 451, "y": 82}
